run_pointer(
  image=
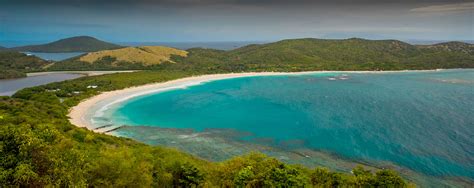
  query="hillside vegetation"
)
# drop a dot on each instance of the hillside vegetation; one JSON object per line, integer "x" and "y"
{"x": 318, "y": 54}
{"x": 41, "y": 148}
{"x": 451, "y": 47}
{"x": 16, "y": 64}
{"x": 304, "y": 55}
{"x": 73, "y": 44}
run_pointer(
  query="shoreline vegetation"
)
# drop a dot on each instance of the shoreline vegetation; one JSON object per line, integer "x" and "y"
{"x": 80, "y": 115}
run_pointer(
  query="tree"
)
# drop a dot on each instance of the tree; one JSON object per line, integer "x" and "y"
{"x": 388, "y": 178}
{"x": 187, "y": 175}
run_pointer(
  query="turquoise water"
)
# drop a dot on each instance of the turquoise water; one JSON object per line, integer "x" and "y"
{"x": 423, "y": 121}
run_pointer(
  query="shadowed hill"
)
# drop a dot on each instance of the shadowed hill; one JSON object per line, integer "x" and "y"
{"x": 15, "y": 64}
{"x": 3, "y": 49}
{"x": 73, "y": 44}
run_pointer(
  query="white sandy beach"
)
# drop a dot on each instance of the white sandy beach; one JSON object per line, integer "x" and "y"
{"x": 81, "y": 114}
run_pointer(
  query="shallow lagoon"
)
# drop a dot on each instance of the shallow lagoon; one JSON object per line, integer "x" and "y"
{"x": 10, "y": 86}
{"x": 55, "y": 56}
{"x": 418, "y": 122}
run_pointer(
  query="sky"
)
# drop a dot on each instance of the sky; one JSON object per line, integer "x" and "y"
{"x": 235, "y": 20}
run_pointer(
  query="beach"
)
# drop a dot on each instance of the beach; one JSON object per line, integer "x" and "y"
{"x": 299, "y": 115}
{"x": 81, "y": 114}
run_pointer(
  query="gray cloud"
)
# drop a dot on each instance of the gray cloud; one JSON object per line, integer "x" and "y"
{"x": 223, "y": 2}
{"x": 456, "y": 7}
{"x": 213, "y": 20}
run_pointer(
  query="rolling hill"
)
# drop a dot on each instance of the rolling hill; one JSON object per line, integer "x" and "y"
{"x": 73, "y": 44}
{"x": 287, "y": 55}
{"x": 15, "y": 64}
{"x": 321, "y": 54}
{"x": 451, "y": 47}
{"x": 147, "y": 55}
{"x": 143, "y": 57}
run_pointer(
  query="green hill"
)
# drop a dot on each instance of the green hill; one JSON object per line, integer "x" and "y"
{"x": 454, "y": 46}
{"x": 303, "y": 55}
{"x": 73, "y": 44}
{"x": 320, "y": 54}
{"x": 15, "y": 64}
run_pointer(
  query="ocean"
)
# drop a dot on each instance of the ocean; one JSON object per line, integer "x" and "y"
{"x": 418, "y": 122}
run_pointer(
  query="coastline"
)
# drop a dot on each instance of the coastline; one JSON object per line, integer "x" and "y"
{"x": 79, "y": 114}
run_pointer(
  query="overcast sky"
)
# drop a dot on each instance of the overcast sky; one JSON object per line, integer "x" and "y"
{"x": 235, "y": 20}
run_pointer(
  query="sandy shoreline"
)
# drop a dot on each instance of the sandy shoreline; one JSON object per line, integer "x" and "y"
{"x": 80, "y": 115}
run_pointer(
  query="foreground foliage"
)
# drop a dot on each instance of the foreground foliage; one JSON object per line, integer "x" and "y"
{"x": 39, "y": 147}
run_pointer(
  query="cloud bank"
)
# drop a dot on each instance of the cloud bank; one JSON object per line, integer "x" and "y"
{"x": 446, "y": 8}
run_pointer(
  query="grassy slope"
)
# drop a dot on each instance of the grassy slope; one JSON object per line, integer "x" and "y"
{"x": 40, "y": 147}
{"x": 147, "y": 55}
{"x": 130, "y": 58}
{"x": 73, "y": 44}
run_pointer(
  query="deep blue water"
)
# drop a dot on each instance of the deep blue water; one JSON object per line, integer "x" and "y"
{"x": 423, "y": 121}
